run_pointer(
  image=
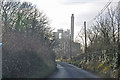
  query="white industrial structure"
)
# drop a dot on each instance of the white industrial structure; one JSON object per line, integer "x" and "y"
{"x": 72, "y": 27}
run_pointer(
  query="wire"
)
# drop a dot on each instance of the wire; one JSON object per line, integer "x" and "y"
{"x": 99, "y": 14}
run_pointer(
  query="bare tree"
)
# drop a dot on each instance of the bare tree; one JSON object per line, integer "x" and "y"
{"x": 28, "y": 41}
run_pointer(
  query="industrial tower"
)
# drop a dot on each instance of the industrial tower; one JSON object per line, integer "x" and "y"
{"x": 72, "y": 27}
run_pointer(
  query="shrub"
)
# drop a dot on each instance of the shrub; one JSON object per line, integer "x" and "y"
{"x": 24, "y": 56}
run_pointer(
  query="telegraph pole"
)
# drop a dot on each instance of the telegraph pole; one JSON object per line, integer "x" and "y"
{"x": 85, "y": 41}
{"x": 71, "y": 35}
{"x": 70, "y": 49}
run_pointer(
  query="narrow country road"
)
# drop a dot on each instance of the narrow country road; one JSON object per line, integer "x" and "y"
{"x": 70, "y": 71}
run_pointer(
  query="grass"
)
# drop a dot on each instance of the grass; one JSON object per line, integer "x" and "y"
{"x": 102, "y": 69}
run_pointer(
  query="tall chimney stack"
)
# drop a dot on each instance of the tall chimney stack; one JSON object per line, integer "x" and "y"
{"x": 72, "y": 27}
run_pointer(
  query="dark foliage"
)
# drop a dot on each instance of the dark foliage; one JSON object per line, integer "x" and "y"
{"x": 27, "y": 42}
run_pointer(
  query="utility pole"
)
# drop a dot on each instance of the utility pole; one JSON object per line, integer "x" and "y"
{"x": 85, "y": 41}
{"x": 71, "y": 35}
{"x": 70, "y": 48}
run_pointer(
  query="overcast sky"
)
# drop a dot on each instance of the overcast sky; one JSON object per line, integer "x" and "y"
{"x": 59, "y": 11}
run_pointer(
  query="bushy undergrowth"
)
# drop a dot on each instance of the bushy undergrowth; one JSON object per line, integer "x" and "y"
{"x": 103, "y": 69}
{"x": 25, "y": 56}
{"x": 27, "y": 41}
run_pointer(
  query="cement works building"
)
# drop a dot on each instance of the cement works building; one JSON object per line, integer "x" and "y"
{"x": 66, "y": 47}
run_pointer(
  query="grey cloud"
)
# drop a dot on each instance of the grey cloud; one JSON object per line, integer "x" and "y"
{"x": 74, "y": 2}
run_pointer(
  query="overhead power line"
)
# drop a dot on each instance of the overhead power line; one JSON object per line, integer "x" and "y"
{"x": 99, "y": 14}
